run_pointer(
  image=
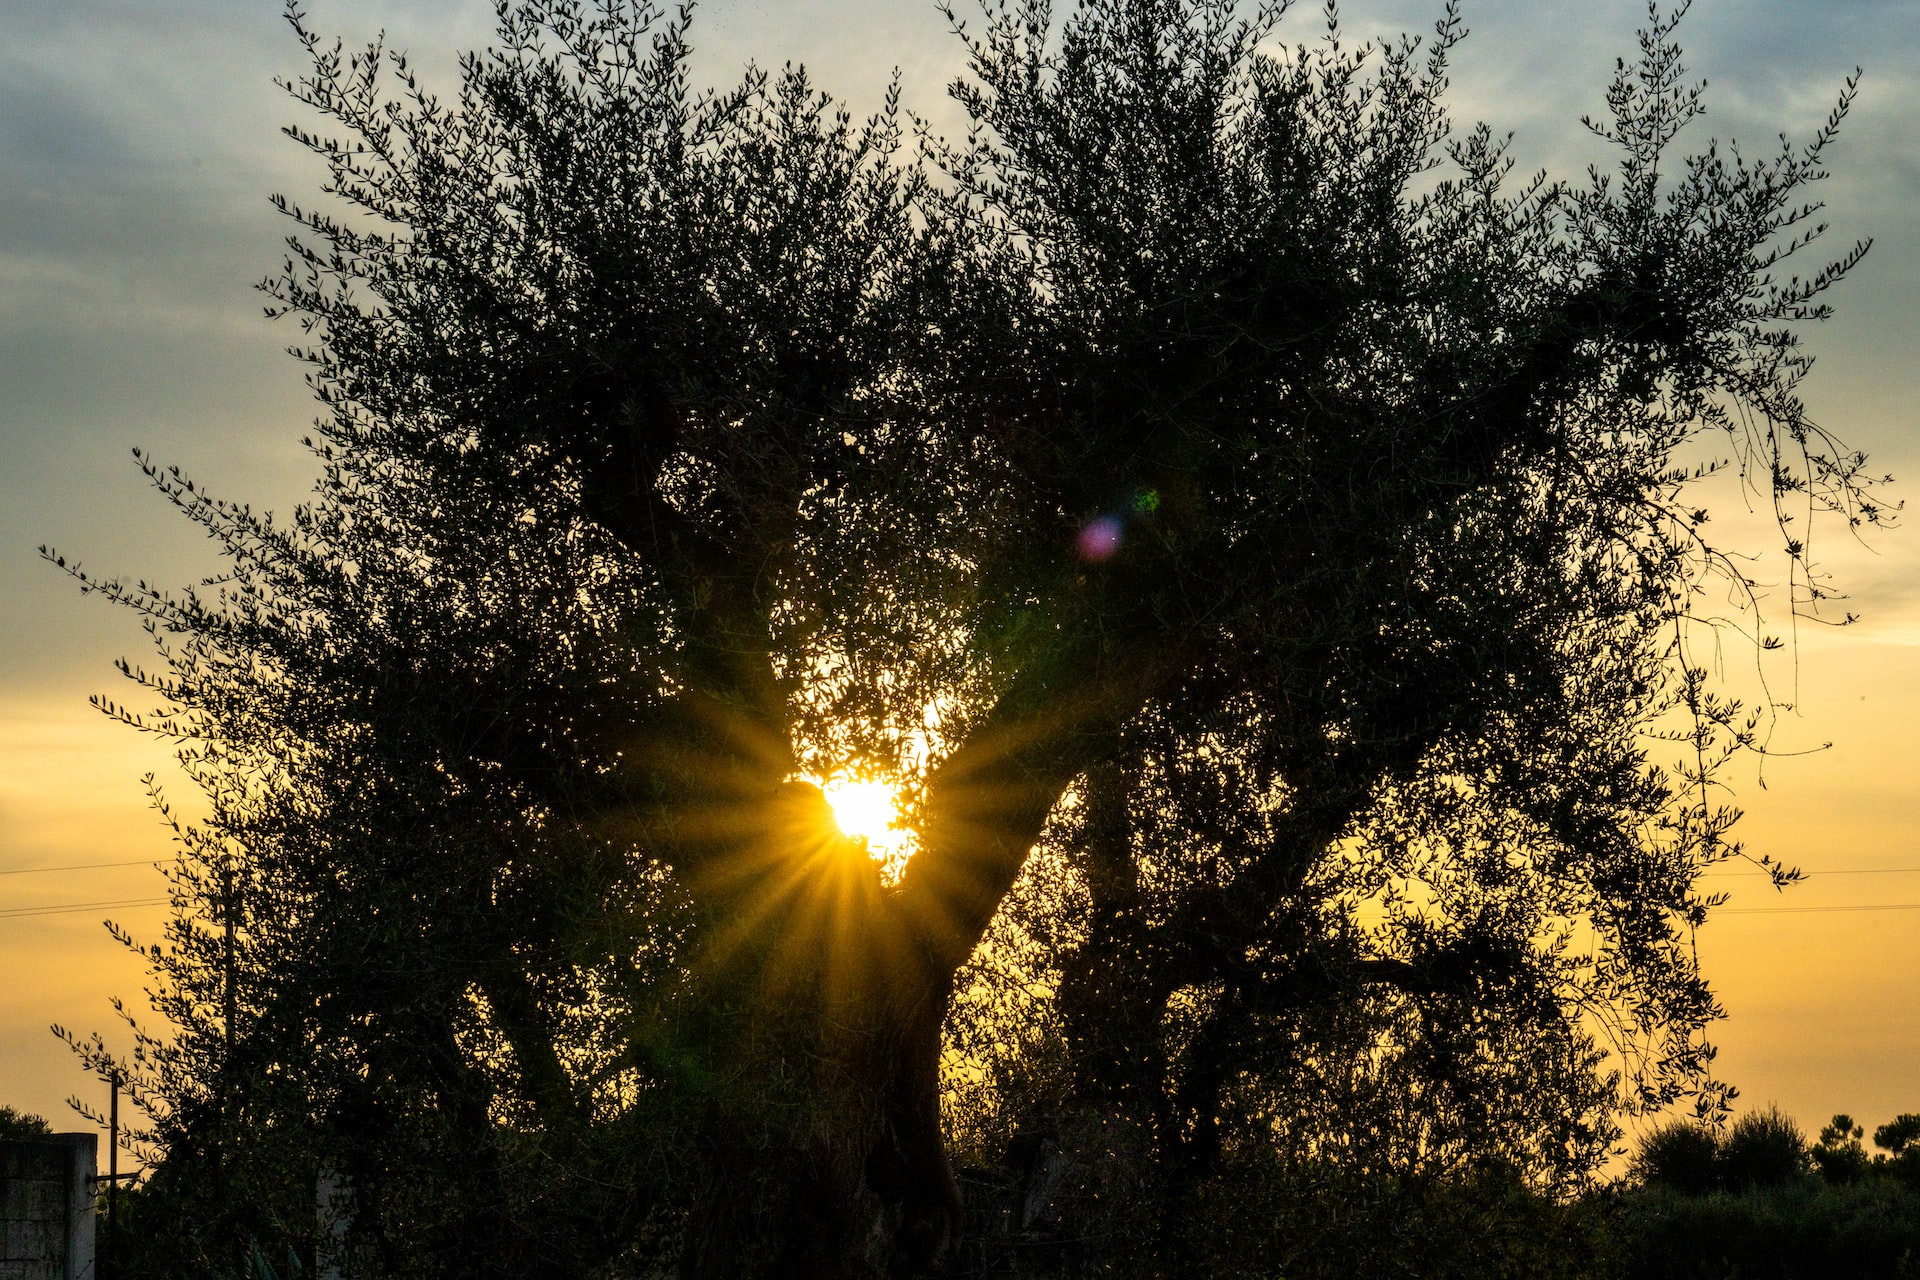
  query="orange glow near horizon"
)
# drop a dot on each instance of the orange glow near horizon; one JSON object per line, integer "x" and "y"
{"x": 1821, "y": 983}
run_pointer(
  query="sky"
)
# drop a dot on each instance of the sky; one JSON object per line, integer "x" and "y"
{"x": 139, "y": 142}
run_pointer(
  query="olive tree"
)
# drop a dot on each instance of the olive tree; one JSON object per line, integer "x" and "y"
{"x": 1255, "y": 533}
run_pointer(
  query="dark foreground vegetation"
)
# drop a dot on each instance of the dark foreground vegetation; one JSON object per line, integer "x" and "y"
{"x": 1752, "y": 1203}
{"x": 1758, "y": 1201}
{"x": 1260, "y": 539}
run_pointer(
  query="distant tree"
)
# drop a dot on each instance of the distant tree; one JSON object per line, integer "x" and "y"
{"x": 21, "y": 1124}
{"x": 1900, "y": 1139}
{"x": 1838, "y": 1155}
{"x": 1268, "y": 565}
{"x": 1841, "y": 1158}
{"x": 1898, "y": 1136}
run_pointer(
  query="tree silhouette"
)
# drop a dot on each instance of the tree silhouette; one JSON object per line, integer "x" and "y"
{"x": 1838, "y": 1154}
{"x": 1290, "y": 554}
{"x": 1682, "y": 1155}
{"x": 1899, "y": 1135}
{"x": 21, "y": 1124}
{"x": 1763, "y": 1149}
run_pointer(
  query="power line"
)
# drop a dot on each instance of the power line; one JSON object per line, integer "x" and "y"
{"x": 1769, "y": 911}
{"x": 16, "y": 913}
{"x": 1821, "y": 875}
{"x": 84, "y": 866}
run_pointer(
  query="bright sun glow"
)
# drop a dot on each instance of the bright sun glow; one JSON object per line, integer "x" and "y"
{"x": 865, "y": 808}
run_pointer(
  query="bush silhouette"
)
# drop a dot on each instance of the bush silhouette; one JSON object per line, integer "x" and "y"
{"x": 1682, "y": 1156}
{"x": 1764, "y": 1149}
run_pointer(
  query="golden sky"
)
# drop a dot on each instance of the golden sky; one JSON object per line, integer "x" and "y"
{"x": 136, "y": 152}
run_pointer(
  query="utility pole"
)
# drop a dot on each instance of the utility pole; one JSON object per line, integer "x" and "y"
{"x": 113, "y": 1175}
{"x": 226, "y": 956}
{"x": 108, "y": 1257}
{"x": 224, "y": 1148}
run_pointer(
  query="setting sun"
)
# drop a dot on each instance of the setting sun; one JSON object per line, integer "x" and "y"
{"x": 866, "y": 809}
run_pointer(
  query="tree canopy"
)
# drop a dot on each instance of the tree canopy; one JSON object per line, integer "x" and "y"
{"x": 15, "y": 1125}
{"x": 1256, "y": 534}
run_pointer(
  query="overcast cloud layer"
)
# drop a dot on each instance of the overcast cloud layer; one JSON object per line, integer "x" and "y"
{"x": 139, "y": 140}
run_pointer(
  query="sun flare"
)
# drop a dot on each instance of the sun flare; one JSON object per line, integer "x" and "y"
{"x": 867, "y": 809}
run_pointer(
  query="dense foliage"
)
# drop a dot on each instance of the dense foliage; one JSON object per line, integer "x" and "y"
{"x": 1753, "y": 1208}
{"x": 1256, "y": 537}
{"x": 1760, "y": 1149}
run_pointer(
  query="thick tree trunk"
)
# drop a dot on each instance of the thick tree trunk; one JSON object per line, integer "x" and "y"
{"x": 840, "y": 1170}
{"x": 821, "y": 1154}
{"x": 851, "y": 1179}
{"x": 853, "y": 1182}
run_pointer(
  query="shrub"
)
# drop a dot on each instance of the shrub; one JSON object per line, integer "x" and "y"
{"x": 1801, "y": 1230}
{"x": 1682, "y": 1156}
{"x": 1318, "y": 1221}
{"x": 1764, "y": 1149}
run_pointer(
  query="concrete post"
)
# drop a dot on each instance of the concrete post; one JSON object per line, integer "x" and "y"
{"x": 46, "y": 1207}
{"x": 83, "y": 1165}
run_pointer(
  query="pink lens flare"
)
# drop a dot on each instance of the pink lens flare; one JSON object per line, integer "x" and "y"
{"x": 1099, "y": 539}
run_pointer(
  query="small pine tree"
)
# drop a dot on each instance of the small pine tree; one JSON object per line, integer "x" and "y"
{"x": 1838, "y": 1155}
{"x": 1900, "y": 1139}
{"x": 1899, "y": 1136}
